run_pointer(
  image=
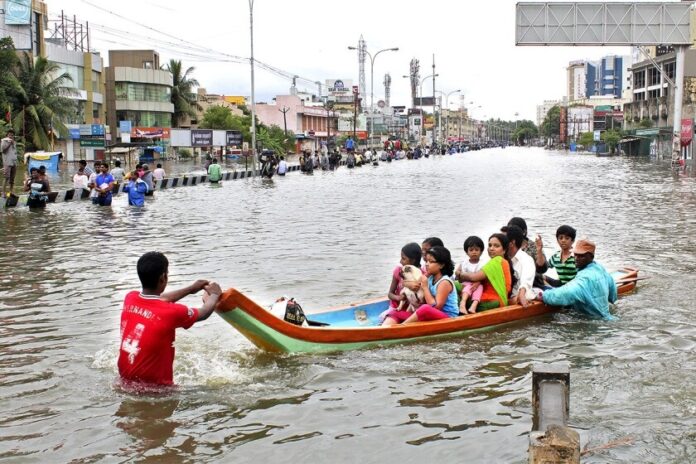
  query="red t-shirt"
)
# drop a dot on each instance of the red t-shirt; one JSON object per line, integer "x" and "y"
{"x": 148, "y": 326}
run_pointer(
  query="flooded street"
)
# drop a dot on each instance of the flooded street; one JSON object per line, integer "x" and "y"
{"x": 333, "y": 238}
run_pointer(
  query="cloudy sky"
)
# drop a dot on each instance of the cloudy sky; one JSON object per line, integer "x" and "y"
{"x": 473, "y": 43}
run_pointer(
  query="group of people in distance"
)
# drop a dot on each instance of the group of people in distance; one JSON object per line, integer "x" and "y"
{"x": 514, "y": 274}
{"x": 101, "y": 181}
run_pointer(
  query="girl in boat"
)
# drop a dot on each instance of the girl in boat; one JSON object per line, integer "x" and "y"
{"x": 410, "y": 254}
{"x": 439, "y": 291}
{"x": 495, "y": 276}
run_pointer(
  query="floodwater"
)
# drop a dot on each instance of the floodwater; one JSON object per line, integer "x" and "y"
{"x": 334, "y": 238}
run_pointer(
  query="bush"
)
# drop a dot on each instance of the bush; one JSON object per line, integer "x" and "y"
{"x": 184, "y": 152}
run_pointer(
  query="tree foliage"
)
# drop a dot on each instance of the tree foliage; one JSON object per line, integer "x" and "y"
{"x": 8, "y": 62}
{"x": 183, "y": 96}
{"x": 39, "y": 98}
{"x": 611, "y": 137}
{"x": 552, "y": 122}
{"x": 525, "y": 131}
{"x": 645, "y": 123}
{"x": 586, "y": 139}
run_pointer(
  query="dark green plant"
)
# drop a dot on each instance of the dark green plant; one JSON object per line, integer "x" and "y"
{"x": 183, "y": 97}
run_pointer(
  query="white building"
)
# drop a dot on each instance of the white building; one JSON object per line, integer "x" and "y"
{"x": 544, "y": 108}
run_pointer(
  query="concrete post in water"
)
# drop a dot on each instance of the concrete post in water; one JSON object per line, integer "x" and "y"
{"x": 680, "y": 51}
{"x": 551, "y": 441}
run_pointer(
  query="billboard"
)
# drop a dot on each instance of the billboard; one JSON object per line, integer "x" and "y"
{"x": 17, "y": 12}
{"x": 233, "y": 138}
{"x": 201, "y": 137}
{"x": 235, "y": 100}
{"x": 423, "y": 101}
{"x": 339, "y": 90}
{"x": 150, "y": 132}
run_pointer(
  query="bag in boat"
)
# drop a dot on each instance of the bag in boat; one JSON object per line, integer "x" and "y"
{"x": 290, "y": 311}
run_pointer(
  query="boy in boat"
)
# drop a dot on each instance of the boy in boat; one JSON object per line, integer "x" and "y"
{"x": 563, "y": 260}
{"x": 149, "y": 320}
{"x": 591, "y": 290}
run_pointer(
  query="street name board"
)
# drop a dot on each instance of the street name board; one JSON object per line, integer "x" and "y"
{"x": 233, "y": 138}
{"x": 92, "y": 142}
{"x": 201, "y": 137}
{"x": 647, "y": 131}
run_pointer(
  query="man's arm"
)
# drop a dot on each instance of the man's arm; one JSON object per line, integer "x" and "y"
{"x": 566, "y": 295}
{"x": 214, "y": 291}
{"x": 175, "y": 295}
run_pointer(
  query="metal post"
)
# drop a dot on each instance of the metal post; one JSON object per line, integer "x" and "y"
{"x": 434, "y": 75}
{"x": 678, "y": 97}
{"x": 253, "y": 99}
{"x": 372, "y": 99}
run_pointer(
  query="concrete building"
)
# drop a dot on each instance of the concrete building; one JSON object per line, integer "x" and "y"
{"x": 653, "y": 101}
{"x": 25, "y": 26}
{"x": 137, "y": 90}
{"x": 457, "y": 126}
{"x": 577, "y": 85}
{"x": 604, "y": 77}
{"x": 206, "y": 100}
{"x": 311, "y": 124}
{"x": 86, "y": 70}
{"x": 543, "y": 109}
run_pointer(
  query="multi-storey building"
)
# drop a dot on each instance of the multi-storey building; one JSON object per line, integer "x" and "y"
{"x": 605, "y": 77}
{"x": 137, "y": 90}
{"x": 543, "y": 109}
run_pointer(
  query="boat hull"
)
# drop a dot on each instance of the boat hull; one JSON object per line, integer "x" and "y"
{"x": 357, "y": 326}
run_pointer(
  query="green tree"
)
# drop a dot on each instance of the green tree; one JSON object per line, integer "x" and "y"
{"x": 552, "y": 122}
{"x": 586, "y": 139}
{"x": 525, "y": 131}
{"x": 40, "y": 102}
{"x": 611, "y": 137}
{"x": 183, "y": 97}
{"x": 217, "y": 117}
{"x": 645, "y": 123}
{"x": 8, "y": 62}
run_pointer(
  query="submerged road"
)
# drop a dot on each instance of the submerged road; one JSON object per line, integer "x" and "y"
{"x": 334, "y": 238}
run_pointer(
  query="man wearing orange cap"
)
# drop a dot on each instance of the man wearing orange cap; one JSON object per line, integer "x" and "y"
{"x": 592, "y": 289}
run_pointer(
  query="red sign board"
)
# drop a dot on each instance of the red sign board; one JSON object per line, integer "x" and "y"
{"x": 150, "y": 132}
{"x": 687, "y": 131}
{"x": 362, "y": 135}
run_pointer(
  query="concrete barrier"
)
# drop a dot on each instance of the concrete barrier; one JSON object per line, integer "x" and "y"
{"x": 551, "y": 440}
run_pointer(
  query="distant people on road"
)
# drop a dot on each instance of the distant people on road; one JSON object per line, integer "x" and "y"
{"x": 282, "y": 166}
{"x": 104, "y": 184}
{"x": 136, "y": 189}
{"x": 117, "y": 172}
{"x": 214, "y": 171}
{"x": 592, "y": 289}
{"x": 37, "y": 188}
{"x": 8, "y": 147}
{"x": 159, "y": 173}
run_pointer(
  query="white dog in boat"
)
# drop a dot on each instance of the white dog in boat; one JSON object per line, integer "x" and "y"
{"x": 414, "y": 294}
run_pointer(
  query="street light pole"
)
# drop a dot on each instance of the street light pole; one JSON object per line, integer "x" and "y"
{"x": 447, "y": 95}
{"x": 371, "y": 127}
{"x": 253, "y": 100}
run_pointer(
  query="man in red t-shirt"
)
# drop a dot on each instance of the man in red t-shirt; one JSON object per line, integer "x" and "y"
{"x": 150, "y": 318}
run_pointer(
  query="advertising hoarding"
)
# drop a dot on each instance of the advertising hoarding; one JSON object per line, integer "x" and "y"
{"x": 201, "y": 137}
{"x": 17, "y": 12}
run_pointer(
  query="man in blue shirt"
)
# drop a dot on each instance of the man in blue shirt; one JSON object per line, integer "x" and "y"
{"x": 350, "y": 145}
{"x": 104, "y": 184}
{"x": 592, "y": 289}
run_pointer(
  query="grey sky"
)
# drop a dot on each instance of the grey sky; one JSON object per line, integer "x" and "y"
{"x": 473, "y": 44}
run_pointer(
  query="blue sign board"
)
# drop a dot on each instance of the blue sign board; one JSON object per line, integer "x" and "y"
{"x": 17, "y": 12}
{"x": 98, "y": 129}
{"x": 124, "y": 127}
{"x": 75, "y": 134}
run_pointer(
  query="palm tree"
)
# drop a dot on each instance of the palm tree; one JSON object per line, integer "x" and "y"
{"x": 183, "y": 97}
{"x": 40, "y": 100}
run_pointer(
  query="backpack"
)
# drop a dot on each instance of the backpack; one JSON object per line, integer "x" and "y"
{"x": 294, "y": 313}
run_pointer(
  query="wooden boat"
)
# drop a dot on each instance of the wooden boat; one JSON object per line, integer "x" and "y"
{"x": 357, "y": 326}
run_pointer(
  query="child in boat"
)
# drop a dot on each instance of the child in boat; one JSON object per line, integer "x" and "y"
{"x": 495, "y": 276}
{"x": 438, "y": 288}
{"x": 563, "y": 260}
{"x": 473, "y": 247}
{"x": 410, "y": 254}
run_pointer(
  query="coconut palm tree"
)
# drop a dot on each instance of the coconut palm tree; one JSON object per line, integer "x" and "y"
{"x": 183, "y": 97}
{"x": 40, "y": 101}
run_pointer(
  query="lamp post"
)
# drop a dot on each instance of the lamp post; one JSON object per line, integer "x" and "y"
{"x": 447, "y": 95}
{"x": 372, "y": 87}
{"x": 421, "y": 102}
{"x": 253, "y": 100}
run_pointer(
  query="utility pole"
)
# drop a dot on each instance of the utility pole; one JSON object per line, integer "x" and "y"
{"x": 285, "y": 121}
{"x": 434, "y": 75}
{"x": 253, "y": 100}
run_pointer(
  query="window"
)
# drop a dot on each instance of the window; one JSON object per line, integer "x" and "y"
{"x": 76, "y": 73}
{"x": 640, "y": 96}
{"x": 654, "y": 93}
{"x": 147, "y": 64}
{"x": 142, "y": 92}
{"x": 653, "y": 76}
{"x": 95, "y": 81}
{"x": 145, "y": 118}
{"x": 669, "y": 69}
{"x": 639, "y": 79}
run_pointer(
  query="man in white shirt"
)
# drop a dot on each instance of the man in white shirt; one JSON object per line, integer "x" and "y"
{"x": 80, "y": 180}
{"x": 282, "y": 166}
{"x": 8, "y": 148}
{"x": 159, "y": 173}
{"x": 523, "y": 267}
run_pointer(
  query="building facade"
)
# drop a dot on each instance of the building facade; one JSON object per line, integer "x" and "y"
{"x": 543, "y": 109}
{"x": 25, "y": 26}
{"x": 608, "y": 76}
{"x": 207, "y": 100}
{"x": 137, "y": 90}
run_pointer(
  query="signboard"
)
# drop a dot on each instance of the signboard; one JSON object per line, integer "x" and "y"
{"x": 423, "y": 101}
{"x": 597, "y": 136}
{"x": 17, "y": 12}
{"x": 97, "y": 130}
{"x": 687, "y": 131}
{"x": 75, "y": 133}
{"x": 233, "y": 138}
{"x": 99, "y": 143}
{"x": 201, "y": 137}
{"x": 339, "y": 89}
{"x": 124, "y": 126}
{"x": 235, "y": 100}
{"x": 150, "y": 132}
{"x": 647, "y": 132}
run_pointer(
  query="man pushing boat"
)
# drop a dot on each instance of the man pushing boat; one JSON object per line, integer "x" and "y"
{"x": 149, "y": 320}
